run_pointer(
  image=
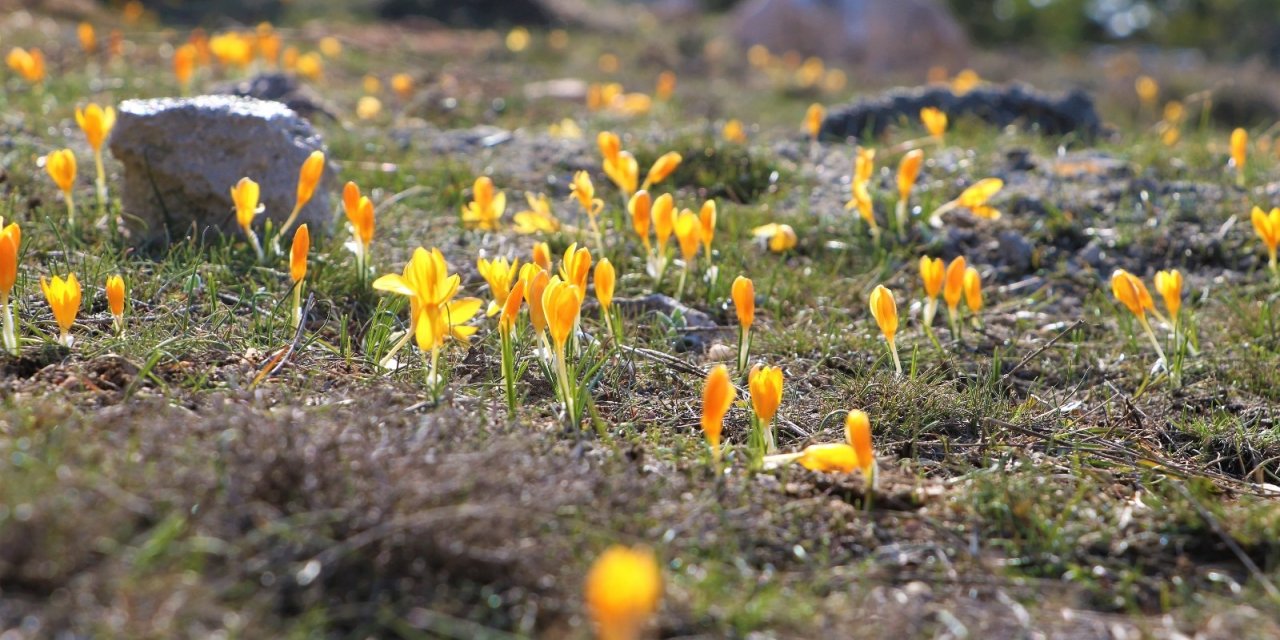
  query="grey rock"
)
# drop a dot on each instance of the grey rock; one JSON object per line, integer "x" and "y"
{"x": 182, "y": 156}
{"x": 1048, "y": 114}
{"x": 881, "y": 34}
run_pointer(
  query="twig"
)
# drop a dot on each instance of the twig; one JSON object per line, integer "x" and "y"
{"x": 1031, "y": 356}
{"x": 275, "y": 364}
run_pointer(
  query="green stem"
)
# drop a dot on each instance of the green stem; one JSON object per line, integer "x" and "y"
{"x": 744, "y": 349}
{"x": 71, "y": 210}
{"x": 684, "y": 275}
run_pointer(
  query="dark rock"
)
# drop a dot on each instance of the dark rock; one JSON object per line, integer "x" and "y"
{"x": 182, "y": 156}
{"x": 1015, "y": 250}
{"x": 472, "y": 13}
{"x": 1071, "y": 113}
{"x": 283, "y": 88}
{"x": 881, "y": 34}
{"x": 500, "y": 13}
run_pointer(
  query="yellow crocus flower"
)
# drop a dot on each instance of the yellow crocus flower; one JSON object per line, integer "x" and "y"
{"x": 885, "y": 310}
{"x": 717, "y": 397}
{"x": 486, "y": 207}
{"x": 623, "y": 590}
{"x": 64, "y": 299}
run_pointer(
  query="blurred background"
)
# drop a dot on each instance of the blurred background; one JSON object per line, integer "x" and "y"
{"x": 1221, "y": 30}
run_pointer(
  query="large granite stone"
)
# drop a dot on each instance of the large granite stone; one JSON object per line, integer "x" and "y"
{"x": 182, "y": 156}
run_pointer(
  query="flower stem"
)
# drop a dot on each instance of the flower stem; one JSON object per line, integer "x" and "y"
{"x": 744, "y": 349}
{"x": 297, "y": 304}
{"x": 1146, "y": 326}
{"x": 71, "y": 210}
{"x": 901, "y": 214}
{"x": 293, "y": 217}
{"x": 893, "y": 350}
{"x": 508, "y": 370}
{"x": 257, "y": 246}
{"x": 10, "y": 332}
{"x": 102, "y": 183}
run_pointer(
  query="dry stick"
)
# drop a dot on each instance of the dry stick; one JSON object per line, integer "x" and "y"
{"x": 684, "y": 367}
{"x": 1076, "y": 325}
{"x": 1231, "y": 543}
{"x": 282, "y": 358}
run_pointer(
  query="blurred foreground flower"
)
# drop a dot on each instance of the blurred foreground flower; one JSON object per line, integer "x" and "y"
{"x": 64, "y": 299}
{"x": 623, "y": 590}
